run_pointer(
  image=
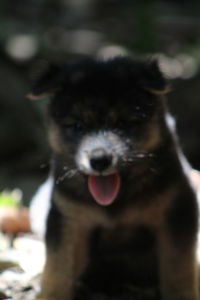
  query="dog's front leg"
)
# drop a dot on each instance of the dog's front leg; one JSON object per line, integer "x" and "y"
{"x": 58, "y": 277}
{"x": 178, "y": 272}
{"x": 177, "y": 252}
{"x": 66, "y": 243}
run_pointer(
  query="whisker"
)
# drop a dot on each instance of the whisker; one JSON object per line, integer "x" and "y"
{"x": 143, "y": 155}
{"x": 119, "y": 149}
{"x": 153, "y": 170}
{"x": 68, "y": 174}
{"x": 134, "y": 156}
{"x": 129, "y": 159}
{"x": 44, "y": 165}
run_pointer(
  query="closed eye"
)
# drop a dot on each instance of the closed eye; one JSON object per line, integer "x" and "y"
{"x": 74, "y": 125}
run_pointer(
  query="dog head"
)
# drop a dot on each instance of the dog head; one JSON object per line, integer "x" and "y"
{"x": 104, "y": 115}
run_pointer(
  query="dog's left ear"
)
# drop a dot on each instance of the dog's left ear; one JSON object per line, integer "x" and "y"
{"x": 154, "y": 81}
{"x": 48, "y": 83}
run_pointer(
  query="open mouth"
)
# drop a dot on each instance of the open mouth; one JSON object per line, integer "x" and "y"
{"x": 104, "y": 189}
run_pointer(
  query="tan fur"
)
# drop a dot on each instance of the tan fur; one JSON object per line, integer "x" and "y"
{"x": 37, "y": 97}
{"x": 152, "y": 136}
{"x": 64, "y": 266}
{"x": 55, "y": 138}
{"x": 149, "y": 214}
{"x": 166, "y": 90}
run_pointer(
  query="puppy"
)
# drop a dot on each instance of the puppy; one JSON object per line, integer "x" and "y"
{"x": 123, "y": 213}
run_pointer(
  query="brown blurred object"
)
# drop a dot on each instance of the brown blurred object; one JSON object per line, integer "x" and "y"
{"x": 14, "y": 220}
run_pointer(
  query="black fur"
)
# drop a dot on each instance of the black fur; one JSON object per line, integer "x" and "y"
{"x": 124, "y": 97}
{"x": 112, "y": 267}
{"x": 54, "y": 228}
{"x": 182, "y": 217}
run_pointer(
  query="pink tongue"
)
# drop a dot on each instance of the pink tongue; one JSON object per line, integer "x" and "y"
{"x": 104, "y": 189}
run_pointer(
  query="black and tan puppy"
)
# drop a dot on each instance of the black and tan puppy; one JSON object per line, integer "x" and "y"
{"x": 123, "y": 213}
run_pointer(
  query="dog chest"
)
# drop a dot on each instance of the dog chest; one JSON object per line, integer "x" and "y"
{"x": 120, "y": 257}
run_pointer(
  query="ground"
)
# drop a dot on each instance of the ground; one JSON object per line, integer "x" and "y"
{"x": 21, "y": 262}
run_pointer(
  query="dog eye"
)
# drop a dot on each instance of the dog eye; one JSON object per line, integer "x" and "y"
{"x": 121, "y": 124}
{"x": 79, "y": 126}
{"x": 74, "y": 125}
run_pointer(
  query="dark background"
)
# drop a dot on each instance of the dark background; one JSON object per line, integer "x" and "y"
{"x": 34, "y": 31}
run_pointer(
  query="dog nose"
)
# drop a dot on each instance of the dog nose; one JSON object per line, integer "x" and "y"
{"x": 100, "y": 160}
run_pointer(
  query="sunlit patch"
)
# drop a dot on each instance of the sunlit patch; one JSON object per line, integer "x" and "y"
{"x": 22, "y": 46}
{"x": 180, "y": 66}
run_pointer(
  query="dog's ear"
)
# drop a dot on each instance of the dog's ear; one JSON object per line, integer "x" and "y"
{"x": 48, "y": 83}
{"x": 154, "y": 81}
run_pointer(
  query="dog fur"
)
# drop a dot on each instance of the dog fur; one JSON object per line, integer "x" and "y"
{"x": 147, "y": 236}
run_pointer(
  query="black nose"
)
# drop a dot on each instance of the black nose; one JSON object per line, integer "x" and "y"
{"x": 100, "y": 160}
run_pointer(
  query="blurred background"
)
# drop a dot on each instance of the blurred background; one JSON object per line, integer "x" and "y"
{"x": 35, "y": 31}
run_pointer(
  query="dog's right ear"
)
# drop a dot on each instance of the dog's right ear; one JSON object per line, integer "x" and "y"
{"x": 48, "y": 83}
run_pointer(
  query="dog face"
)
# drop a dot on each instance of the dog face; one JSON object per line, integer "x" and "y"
{"x": 104, "y": 116}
